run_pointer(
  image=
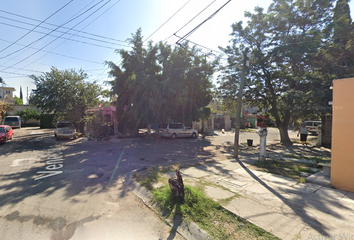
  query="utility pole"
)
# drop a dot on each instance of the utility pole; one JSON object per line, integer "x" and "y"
{"x": 239, "y": 102}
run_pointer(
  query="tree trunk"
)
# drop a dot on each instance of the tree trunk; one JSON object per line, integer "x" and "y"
{"x": 203, "y": 126}
{"x": 149, "y": 128}
{"x": 284, "y": 135}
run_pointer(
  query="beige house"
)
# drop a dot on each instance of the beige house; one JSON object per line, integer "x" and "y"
{"x": 217, "y": 120}
{"x": 342, "y": 160}
{"x": 6, "y": 92}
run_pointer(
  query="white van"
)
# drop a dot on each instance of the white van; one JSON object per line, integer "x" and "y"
{"x": 313, "y": 126}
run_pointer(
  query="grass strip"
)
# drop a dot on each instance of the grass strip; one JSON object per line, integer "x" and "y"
{"x": 208, "y": 214}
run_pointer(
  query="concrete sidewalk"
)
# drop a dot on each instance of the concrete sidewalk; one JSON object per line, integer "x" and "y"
{"x": 282, "y": 206}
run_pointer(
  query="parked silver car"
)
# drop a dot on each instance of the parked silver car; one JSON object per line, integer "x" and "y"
{"x": 65, "y": 129}
{"x": 176, "y": 130}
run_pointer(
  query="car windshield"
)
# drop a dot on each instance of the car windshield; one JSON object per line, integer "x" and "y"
{"x": 11, "y": 119}
{"x": 2, "y": 129}
{"x": 65, "y": 125}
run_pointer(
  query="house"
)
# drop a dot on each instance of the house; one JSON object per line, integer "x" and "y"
{"x": 6, "y": 92}
{"x": 217, "y": 120}
{"x": 105, "y": 116}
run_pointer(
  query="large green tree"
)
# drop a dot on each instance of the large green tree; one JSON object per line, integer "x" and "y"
{"x": 281, "y": 42}
{"x": 334, "y": 60}
{"x": 65, "y": 93}
{"x": 157, "y": 83}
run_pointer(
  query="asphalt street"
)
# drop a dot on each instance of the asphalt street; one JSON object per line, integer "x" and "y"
{"x": 72, "y": 189}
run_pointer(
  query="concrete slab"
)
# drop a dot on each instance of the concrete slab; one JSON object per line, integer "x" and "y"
{"x": 195, "y": 172}
{"x": 300, "y": 160}
{"x": 274, "y": 222}
{"x": 330, "y": 193}
{"x": 320, "y": 179}
{"x": 349, "y": 197}
{"x": 217, "y": 193}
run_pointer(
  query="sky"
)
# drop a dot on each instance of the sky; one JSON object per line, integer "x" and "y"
{"x": 84, "y": 34}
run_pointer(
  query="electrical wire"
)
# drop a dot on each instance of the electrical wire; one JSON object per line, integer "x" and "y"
{"x": 54, "y": 25}
{"x": 83, "y": 27}
{"x": 167, "y": 21}
{"x": 97, "y": 45}
{"x": 37, "y": 26}
{"x": 194, "y": 17}
{"x": 49, "y": 32}
{"x": 61, "y": 35}
{"x": 210, "y": 17}
{"x": 84, "y": 37}
{"x": 189, "y": 21}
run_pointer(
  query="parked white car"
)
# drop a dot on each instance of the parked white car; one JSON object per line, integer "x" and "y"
{"x": 176, "y": 130}
{"x": 313, "y": 126}
{"x": 65, "y": 129}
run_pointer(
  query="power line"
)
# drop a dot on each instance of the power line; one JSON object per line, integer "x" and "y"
{"x": 54, "y": 53}
{"x": 210, "y": 17}
{"x": 167, "y": 20}
{"x": 90, "y": 38}
{"x": 212, "y": 50}
{"x": 36, "y": 26}
{"x": 79, "y": 31}
{"x": 97, "y": 45}
{"x": 189, "y": 21}
{"x": 85, "y": 26}
{"x": 63, "y": 33}
{"x": 194, "y": 17}
{"x": 50, "y": 32}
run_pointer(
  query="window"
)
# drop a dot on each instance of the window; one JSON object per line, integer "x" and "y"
{"x": 8, "y": 92}
{"x": 176, "y": 126}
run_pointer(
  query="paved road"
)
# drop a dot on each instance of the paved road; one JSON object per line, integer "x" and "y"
{"x": 59, "y": 190}
{"x": 72, "y": 189}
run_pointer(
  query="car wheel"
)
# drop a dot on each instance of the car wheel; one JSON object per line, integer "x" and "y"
{"x": 194, "y": 135}
{"x": 173, "y": 136}
{"x": 4, "y": 141}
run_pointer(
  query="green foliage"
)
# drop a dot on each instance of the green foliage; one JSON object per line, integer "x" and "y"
{"x": 18, "y": 101}
{"x": 65, "y": 93}
{"x": 27, "y": 114}
{"x": 158, "y": 83}
{"x": 283, "y": 43}
{"x": 4, "y": 108}
{"x": 197, "y": 207}
{"x": 47, "y": 120}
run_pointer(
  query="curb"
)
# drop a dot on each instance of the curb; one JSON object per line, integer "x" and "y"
{"x": 188, "y": 231}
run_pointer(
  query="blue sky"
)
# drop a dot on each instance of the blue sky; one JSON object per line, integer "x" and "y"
{"x": 85, "y": 33}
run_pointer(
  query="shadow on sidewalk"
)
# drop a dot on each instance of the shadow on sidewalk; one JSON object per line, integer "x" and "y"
{"x": 315, "y": 224}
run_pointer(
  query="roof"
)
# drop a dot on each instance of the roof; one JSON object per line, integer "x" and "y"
{"x": 4, "y": 85}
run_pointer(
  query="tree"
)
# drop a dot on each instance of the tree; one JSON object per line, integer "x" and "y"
{"x": 158, "y": 83}
{"x": 281, "y": 42}
{"x": 28, "y": 114}
{"x": 18, "y": 101}
{"x": 4, "y": 108}
{"x": 65, "y": 93}
{"x": 334, "y": 60}
{"x": 21, "y": 96}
